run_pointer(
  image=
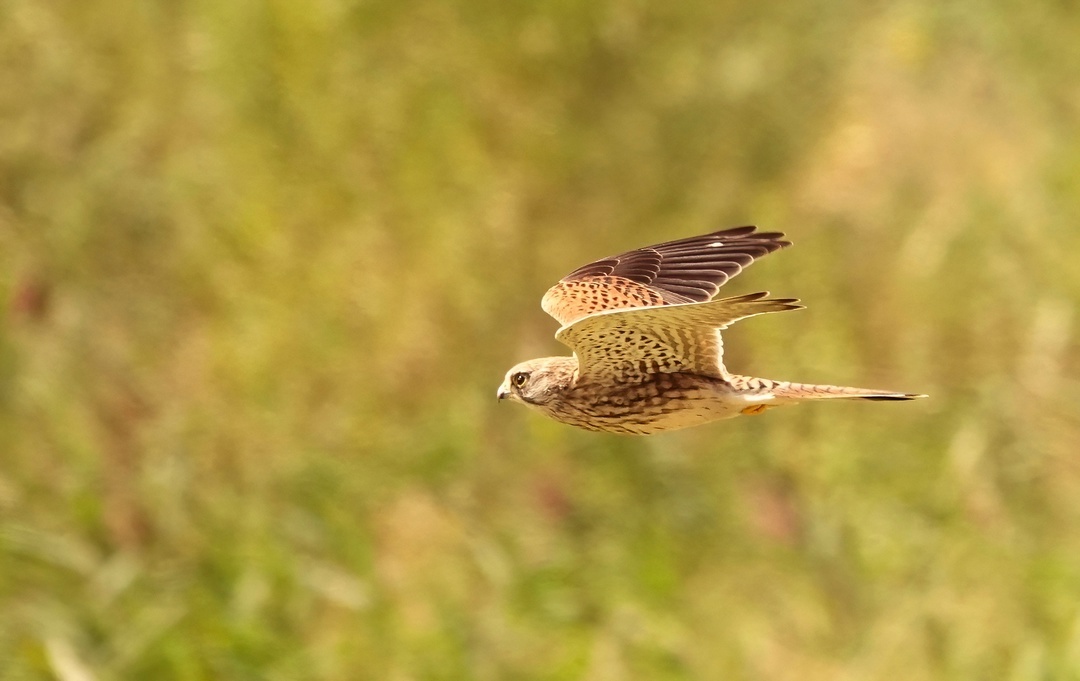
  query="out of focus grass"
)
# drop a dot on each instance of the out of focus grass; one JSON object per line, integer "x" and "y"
{"x": 265, "y": 263}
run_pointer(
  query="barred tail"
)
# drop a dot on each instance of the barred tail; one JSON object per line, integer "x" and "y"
{"x": 765, "y": 391}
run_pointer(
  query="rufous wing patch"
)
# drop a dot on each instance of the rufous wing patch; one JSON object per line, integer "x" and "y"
{"x": 569, "y": 301}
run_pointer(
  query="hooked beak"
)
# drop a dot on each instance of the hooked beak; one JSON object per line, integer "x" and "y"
{"x": 504, "y": 392}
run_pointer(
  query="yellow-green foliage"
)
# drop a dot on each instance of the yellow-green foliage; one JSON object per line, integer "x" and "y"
{"x": 265, "y": 264}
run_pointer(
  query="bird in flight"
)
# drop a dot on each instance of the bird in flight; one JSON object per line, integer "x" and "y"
{"x": 645, "y": 330}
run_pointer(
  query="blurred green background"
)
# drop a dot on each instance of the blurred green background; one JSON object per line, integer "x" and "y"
{"x": 264, "y": 264}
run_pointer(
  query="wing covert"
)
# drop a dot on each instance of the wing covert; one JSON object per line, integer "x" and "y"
{"x": 662, "y": 339}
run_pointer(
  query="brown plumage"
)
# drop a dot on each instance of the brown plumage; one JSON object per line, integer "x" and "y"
{"x": 683, "y": 271}
{"x": 645, "y": 331}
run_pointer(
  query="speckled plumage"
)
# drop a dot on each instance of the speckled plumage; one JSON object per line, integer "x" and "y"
{"x": 645, "y": 331}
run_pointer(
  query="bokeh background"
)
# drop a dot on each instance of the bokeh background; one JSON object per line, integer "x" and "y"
{"x": 264, "y": 263}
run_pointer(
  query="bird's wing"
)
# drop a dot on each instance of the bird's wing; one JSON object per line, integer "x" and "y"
{"x": 625, "y": 344}
{"x": 688, "y": 270}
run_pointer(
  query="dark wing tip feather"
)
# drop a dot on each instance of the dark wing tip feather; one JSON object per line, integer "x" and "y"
{"x": 735, "y": 231}
{"x": 750, "y": 231}
{"x": 686, "y": 289}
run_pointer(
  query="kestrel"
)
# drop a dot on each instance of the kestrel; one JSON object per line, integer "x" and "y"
{"x": 645, "y": 331}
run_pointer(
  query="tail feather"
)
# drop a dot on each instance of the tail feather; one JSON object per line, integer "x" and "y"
{"x": 766, "y": 390}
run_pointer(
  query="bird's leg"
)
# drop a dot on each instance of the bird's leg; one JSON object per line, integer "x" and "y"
{"x": 755, "y": 409}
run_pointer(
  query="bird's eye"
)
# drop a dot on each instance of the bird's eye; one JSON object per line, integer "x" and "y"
{"x": 519, "y": 379}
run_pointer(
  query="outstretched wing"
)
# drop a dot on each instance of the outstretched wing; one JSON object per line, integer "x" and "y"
{"x": 688, "y": 270}
{"x": 623, "y": 344}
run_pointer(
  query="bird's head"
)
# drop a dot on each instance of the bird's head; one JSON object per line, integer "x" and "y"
{"x": 538, "y": 381}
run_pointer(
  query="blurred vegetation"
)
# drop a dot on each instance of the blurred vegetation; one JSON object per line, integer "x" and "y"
{"x": 265, "y": 263}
